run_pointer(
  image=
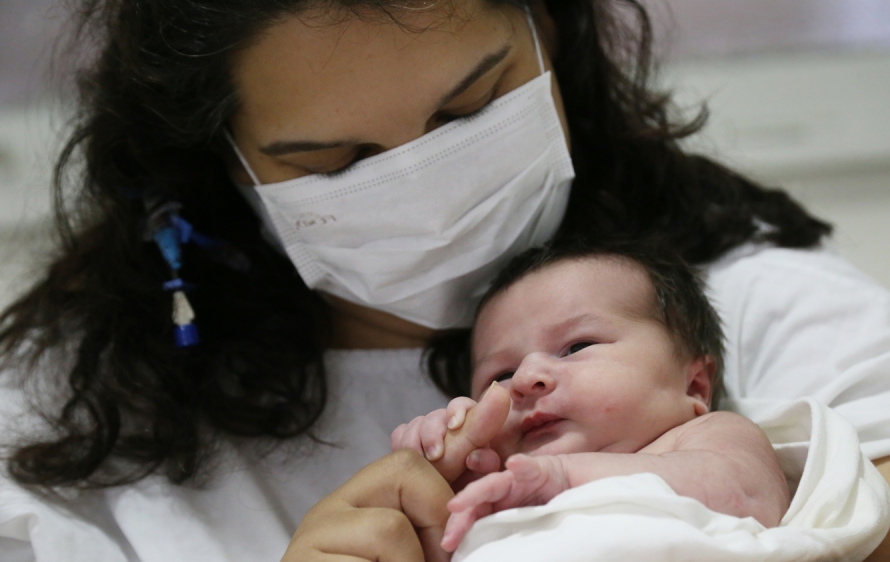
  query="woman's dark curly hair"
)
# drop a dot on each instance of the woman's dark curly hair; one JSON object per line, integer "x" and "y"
{"x": 153, "y": 109}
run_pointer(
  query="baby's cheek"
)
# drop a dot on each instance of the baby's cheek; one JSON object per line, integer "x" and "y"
{"x": 506, "y": 443}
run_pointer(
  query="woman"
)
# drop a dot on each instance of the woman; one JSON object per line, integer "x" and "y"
{"x": 299, "y": 138}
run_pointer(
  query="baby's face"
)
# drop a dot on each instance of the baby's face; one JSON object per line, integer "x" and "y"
{"x": 587, "y": 364}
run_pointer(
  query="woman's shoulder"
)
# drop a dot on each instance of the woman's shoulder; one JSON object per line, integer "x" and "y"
{"x": 806, "y": 323}
{"x": 762, "y": 280}
{"x": 768, "y": 296}
{"x": 761, "y": 261}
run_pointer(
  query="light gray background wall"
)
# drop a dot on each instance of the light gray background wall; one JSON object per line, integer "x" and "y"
{"x": 798, "y": 93}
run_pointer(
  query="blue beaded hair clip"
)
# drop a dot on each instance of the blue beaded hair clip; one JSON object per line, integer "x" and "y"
{"x": 169, "y": 232}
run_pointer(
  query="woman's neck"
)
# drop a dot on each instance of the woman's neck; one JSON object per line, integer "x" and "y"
{"x": 359, "y": 327}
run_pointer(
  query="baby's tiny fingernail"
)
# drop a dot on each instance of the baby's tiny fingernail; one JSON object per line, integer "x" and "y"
{"x": 474, "y": 458}
{"x": 433, "y": 453}
{"x": 457, "y": 419}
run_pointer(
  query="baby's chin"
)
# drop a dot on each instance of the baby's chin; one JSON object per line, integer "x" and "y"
{"x": 560, "y": 445}
{"x": 569, "y": 444}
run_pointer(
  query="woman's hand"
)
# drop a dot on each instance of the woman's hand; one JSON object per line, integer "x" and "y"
{"x": 393, "y": 510}
{"x": 455, "y": 440}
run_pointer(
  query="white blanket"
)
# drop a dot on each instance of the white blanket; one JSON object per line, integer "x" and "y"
{"x": 840, "y": 510}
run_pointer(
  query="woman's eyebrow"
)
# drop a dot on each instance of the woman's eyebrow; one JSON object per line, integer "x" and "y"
{"x": 478, "y": 71}
{"x": 280, "y": 148}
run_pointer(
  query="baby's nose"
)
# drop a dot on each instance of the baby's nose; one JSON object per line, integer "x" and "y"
{"x": 533, "y": 378}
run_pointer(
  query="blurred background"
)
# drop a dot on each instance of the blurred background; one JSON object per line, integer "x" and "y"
{"x": 798, "y": 92}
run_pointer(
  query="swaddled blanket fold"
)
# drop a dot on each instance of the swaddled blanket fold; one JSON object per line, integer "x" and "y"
{"x": 840, "y": 510}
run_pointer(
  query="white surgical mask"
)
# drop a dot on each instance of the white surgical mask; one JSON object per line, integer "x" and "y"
{"x": 420, "y": 231}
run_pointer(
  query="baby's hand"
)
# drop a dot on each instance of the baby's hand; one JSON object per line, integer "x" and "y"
{"x": 456, "y": 438}
{"x": 426, "y": 434}
{"x": 525, "y": 481}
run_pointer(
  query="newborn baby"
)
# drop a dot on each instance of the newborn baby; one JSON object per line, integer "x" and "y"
{"x": 611, "y": 360}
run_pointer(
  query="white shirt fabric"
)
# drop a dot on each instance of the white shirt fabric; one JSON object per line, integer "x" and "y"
{"x": 798, "y": 323}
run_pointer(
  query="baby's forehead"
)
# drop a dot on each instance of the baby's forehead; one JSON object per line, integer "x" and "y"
{"x": 636, "y": 292}
{"x": 621, "y": 288}
{"x": 624, "y": 282}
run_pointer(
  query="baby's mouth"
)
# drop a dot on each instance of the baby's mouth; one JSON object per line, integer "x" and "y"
{"x": 537, "y": 423}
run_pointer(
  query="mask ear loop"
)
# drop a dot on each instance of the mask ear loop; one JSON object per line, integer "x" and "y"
{"x": 253, "y": 177}
{"x": 531, "y": 24}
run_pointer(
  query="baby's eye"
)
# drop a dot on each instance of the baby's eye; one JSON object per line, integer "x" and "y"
{"x": 576, "y": 347}
{"x": 504, "y": 377}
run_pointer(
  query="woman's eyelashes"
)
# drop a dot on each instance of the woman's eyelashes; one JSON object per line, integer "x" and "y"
{"x": 363, "y": 152}
{"x": 467, "y": 111}
{"x": 504, "y": 376}
{"x": 366, "y": 151}
{"x": 469, "y": 114}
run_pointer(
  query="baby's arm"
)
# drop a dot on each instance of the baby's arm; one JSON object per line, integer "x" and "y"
{"x": 721, "y": 459}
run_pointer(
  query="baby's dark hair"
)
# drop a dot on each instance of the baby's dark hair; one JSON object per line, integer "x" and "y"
{"x": 680, "y": 301}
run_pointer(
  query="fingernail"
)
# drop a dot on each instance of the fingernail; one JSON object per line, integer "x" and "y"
{"x": 433, "y": 453}
{"x": 493, "y": 384}
{"x": 474, "y": 458}
{"x": 457, "y": 419}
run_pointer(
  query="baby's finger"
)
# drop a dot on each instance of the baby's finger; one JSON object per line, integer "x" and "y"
{"x": 487, "y": 490}
{"x": 457, "y": 411}
{"x": 459, "y": 524}
{"x": 395, "y": 440}
{"x": 410, "y": 438}
{"x": 484, "y": 461}
{"x": 432, "y": 435}
{"x": 525, "y": 468}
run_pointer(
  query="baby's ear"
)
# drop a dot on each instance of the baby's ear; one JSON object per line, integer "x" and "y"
{"x": 700, "y": 383}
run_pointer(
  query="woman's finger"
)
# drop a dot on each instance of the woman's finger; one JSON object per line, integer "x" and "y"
{"x": 481, "y": 426}
{"x": 382, "y": 534}
{"x": 393, "y": 510}
{"x": 405, "y": 481}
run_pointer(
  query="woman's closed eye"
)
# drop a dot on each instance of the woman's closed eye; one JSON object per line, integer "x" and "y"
{"x": 504, "y": 376}
{"x": 467, "y": 111}
{"x": 367, "y": 150}
{"x": 363, "y": 152}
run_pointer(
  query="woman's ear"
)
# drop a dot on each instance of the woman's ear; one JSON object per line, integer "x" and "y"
{"x": 547, "y": 28}
{"x": 700, "y": 383}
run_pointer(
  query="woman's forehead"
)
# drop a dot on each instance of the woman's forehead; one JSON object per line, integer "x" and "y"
{"x": 318, "y": 74}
